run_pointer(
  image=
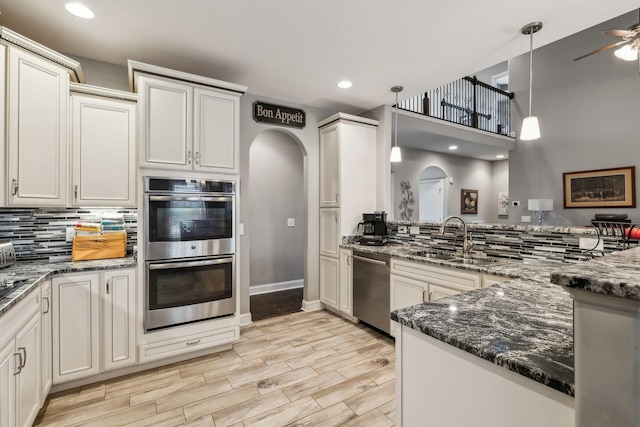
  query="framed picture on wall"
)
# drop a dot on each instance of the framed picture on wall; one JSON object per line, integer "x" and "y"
{"x": 601, "y": 188}
{"x": 468, "y": 201}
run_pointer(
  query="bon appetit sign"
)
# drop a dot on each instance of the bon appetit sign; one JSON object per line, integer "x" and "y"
{"x": 278, "y": 115}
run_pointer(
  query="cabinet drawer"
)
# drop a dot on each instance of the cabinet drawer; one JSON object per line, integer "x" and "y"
{"x": 169, "y": 348}
{"x": 443, "y": 276}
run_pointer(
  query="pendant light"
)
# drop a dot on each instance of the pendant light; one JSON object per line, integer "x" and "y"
{"x": 396, "y": 155}
{"x": 530, "y": 128}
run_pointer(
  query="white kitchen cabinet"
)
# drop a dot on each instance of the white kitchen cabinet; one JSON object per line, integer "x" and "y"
{"x": 37, "y": 100}
{"x": 20, "y": 362}
{"x": 94, "y": 323}
{"x": 76, "y": 326}
{"x": 330, "y": 238}
{"x": 329, "y": 167}
{"x": 119, "y": 307}
{"x": 47, "y": 344}
{"x": 406, "y": 292}
{"x": 437, "y": 292}
{"x": 186, "y": 122}
{"x": 329, "y": 281}
{"x": 490, "y": 280}
{"x": 103, "y": 141}
{"x": 345, "y": 284}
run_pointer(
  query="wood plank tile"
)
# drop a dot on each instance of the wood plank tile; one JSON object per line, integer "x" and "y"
{"x": 170, "y": 418}
{"x": 342, "y": 391}
{"x": 287, "y": 353}
{"x": 203, "y": 421}
{"x": 286, "y": 379}
{"x": 193, "y": 394}
{"x": 308, "y": 359}
{"x": 332, "y": 363}
{"x": 69, "y": 402}
{"x": 389, "y": 409}
{"x": 224, "y": 371}
{"x": 314, "y": 385}
{"x": 188, "y": 363}
{"x": 355, "y": 344}
{"x": 379, "y": 347}
{"x": 119, "y": 418}
{"x": 384, "y": 374}
{"x": 372, "y": 418}
{"x": 209, "y": 366}
{"x": 367, "y": 365}
{"x": 256, "y": 375}
{"x": 219, "y": 402}
{"x": 140, "y": 397}
{"x": 88, "y": 412}
{"x": 285, "y": 414}
{"x": 372, "y": 398}
{"x": 249, "y": 408}
{"x": 335, "y": 415}
{"x": 140, "y": 385}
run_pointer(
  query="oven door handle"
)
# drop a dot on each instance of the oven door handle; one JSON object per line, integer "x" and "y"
{"x": 153, "y": 198}
{"x": 171, "y": 265}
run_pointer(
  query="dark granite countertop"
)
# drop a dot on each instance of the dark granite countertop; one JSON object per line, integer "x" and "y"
{"x": 33, "y": 273}
{"x": 524, "y": 325}
{"x": 616, "y": 275}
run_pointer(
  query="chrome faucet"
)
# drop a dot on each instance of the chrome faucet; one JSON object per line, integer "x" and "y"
{"x": 467, "y": 244}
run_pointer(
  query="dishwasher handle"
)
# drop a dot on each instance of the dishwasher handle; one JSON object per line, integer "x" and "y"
{"x": 372, "y": 261}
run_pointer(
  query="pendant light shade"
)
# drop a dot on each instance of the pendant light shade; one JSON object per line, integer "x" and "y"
{"x": 396, "y": 155}
{"x": 530, "y": 127}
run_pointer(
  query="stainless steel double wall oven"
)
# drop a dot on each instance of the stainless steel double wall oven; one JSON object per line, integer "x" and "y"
{"x": 189, "y": 251}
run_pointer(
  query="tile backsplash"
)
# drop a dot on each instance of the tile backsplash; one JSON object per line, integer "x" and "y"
{"x": 40, "y": 233}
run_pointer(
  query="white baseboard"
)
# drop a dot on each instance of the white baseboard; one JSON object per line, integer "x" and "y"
{"x": 245, "y": 319}
{"x": 275, "y": 287}
{"x": 311, "y": 305}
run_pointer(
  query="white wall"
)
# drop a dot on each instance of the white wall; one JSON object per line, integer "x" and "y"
{"x": 499, "y": 184}
{"x": 276, "y": 194}
{"x": 589, "y": 119}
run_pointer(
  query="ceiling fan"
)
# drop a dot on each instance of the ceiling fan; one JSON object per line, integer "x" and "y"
{"x": 629, "y": 45}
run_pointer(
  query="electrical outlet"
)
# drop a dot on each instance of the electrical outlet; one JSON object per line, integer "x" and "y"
{"x": 70, "y": 232}
{"x": 402, "y": 229}
{"x": 414, "y": 229}
{"x": 291, "y": 222}
{"x": 591, "y": 244}
{"x": 525, "y": 218}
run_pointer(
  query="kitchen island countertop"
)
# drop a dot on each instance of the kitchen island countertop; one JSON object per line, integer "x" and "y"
{"x": 34, "y": 273}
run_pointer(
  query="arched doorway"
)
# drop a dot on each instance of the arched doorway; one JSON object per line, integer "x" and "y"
{"x": 277, "y": 224}
{"x": 432, "y": 198}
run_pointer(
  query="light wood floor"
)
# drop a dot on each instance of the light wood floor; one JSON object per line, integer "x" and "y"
{"x": 302, "y": 369}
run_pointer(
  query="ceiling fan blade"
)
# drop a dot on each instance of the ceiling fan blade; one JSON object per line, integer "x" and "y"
{"x": 612, "y": 45}
{"x": 619, "y": 33}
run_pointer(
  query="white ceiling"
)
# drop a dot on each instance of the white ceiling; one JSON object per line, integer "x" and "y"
{"x": 297, "y": 50}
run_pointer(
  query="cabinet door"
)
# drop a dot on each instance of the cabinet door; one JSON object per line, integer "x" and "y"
{"x": 8, "y": 385}
{"x": 330, "y": 167}
{"x": 119, "y": 318}
{"x": 329, "y": 276}
{"x": 215, "y": 131}
{"x": 405, "y": 293}
{"x": 28, "y": 387}
{"x": 47, "y": 345}
{"x": 37, "y": 130}
{"x": 165, "y": 109}
{"x": 329, "y": 231}
{"x": 76, "y": 333}
{"x": 346, "y": 282}
{"x": 103, "y": 144}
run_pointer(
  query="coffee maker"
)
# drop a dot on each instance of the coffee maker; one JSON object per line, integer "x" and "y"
{"x": 373, "y": 228}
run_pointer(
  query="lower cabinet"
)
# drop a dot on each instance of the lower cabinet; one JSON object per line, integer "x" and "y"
{"x": 329, "y": 280}
{"x": 345, "y": 284}
{"x": 20, "y": 364}
{"x": 45, "y": 320}
{"x": 93, "y": 330}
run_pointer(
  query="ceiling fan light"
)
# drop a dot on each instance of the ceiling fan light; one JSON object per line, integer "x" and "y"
{"x": 530, "y": 129}
{"x": 626, "y": 53}
{"x": 396, "y": 155}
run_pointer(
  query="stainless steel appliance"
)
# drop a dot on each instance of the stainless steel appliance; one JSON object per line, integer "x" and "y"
{"x": 7, "y": 253}
{"x": 373, "y": 228}
{"x": 371, "y": 295}
{"x": 189, "y": 251}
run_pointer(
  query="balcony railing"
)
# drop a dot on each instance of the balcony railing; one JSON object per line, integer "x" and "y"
{"x": 468, "y": 102}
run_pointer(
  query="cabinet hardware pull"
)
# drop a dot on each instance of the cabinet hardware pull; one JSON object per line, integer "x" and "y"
{"x": 348, "y": 259}
{"x": 189, "y": 157}
{"x": 75, "y": 192}
{"x": 107, "y": 286}
{"x": 20, "y": 365}
{"x": 193, "y": 342}
{"x": 47, "y": 310}
{"x": 197, "y": 157}
{"x": 24, "y": 362}
{"x": 14, "y": 187}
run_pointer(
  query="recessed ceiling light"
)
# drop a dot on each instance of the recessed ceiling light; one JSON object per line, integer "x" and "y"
{"x": 500, "y": 156}
{"x": 345, "y": 84}
{"x": 79, "y": 10}
{"x": 453, "y": 147}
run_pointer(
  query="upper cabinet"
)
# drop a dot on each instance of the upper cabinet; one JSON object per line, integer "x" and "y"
{"x": 103, "y": 147}
{"x": 36, "y": 95}
{"x": 186, "y": 122}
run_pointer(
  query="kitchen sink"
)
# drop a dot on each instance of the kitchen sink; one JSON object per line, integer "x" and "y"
{"x": 433, "y": 255}
{"x": 472, "y": 261}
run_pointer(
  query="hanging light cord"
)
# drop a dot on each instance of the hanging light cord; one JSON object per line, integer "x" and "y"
{"x": 396, "y": 142}
{"x": 530, "y": 67}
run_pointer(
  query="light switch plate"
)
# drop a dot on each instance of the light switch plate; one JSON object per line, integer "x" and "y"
{"x": 525, "y": 218}
{"x": 240, "y": 229}
{"x": 291, "y": 222}
{"x": 70, "y": 232}
{"x": 414, "y": 229}
{"x": 591, "y": 243}
{"x": 402, "y": 229}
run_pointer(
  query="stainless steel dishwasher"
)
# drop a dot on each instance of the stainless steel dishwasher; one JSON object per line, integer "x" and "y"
{"x": 371, "y": 289}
